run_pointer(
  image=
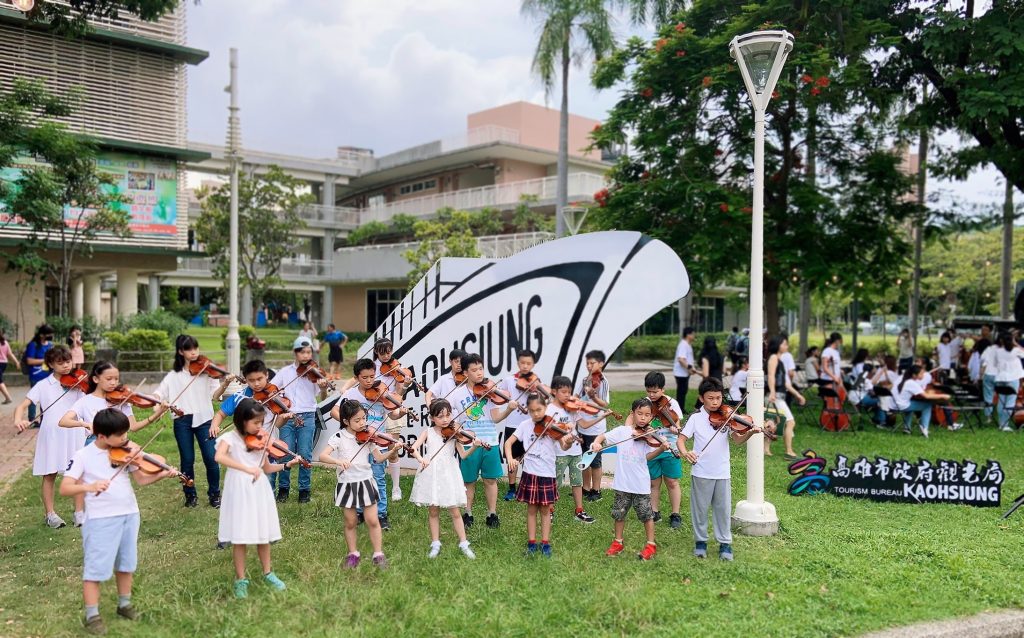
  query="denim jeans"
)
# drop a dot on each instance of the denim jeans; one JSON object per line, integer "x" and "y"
{"x": 924, "y": 412}
{"x": 872, "y": 405}
{"x": 1006, "y": 403}
{"x": 299, "y": 439}
{"x": 380, "y": 472}
{"x": 183, "y": 435}
{"x": 988, "y": 390}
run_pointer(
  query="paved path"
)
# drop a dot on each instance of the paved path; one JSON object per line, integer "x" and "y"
{"x": 19, "y": 447}
{"x": 998, "y": 624}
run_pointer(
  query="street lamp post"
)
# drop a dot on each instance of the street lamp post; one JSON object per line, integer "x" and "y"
{"x": 233, "y": 342}
{"x": 760, "y": 57}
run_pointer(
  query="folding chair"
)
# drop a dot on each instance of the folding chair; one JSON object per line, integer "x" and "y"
{"x": 970, "y": 406}
{"x": 1006, "y": 393}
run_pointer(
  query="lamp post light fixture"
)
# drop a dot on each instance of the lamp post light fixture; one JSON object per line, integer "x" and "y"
{"x": 760, "y": 57}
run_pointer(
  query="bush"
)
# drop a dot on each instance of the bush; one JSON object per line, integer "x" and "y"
{"x": 244, "y": 332}
{"x": 648, "y": 347}
{"x": 10, "y": 330}
{"x": 92, "y": 330}
{"x": 167, "y": 322}
{"x": 140, "y": 349}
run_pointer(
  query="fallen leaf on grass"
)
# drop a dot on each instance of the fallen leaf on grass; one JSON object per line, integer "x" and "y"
{"x": 723, "y": 594}
{"x": 686, "y": 581}
{"x": 823, "y": 590}
{"x": 770, "y": 595}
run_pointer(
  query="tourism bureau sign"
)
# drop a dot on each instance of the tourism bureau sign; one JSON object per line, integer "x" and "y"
{"x": 900, "y": 481}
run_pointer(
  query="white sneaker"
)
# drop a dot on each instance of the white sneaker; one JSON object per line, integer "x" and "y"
{"x": 54, "y": 521}
{"x": 396, "y": 494}
{"x": 464, "y": 546}
{"x": 956, "y": 426}
{"x": 1005, "y": 428}
{"x": 79, "y": 518}
{"x": 924, "y": 433}
{"x": 435, "y": 549}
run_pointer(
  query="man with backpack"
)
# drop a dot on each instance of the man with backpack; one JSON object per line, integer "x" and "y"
{"x": 730, "y": 346}
{"x": 742, "y": 347}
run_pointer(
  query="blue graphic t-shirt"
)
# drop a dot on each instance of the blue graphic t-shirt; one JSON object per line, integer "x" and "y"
{"x": 33, "y": 350}
{"x": 334, "y": 338}
{"x": 477, "y": 415}
{"x": 228, "y": 405}
{"x": 375, "y": 412}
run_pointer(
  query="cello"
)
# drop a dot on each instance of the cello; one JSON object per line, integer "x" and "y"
{"x": 833, "y": 418}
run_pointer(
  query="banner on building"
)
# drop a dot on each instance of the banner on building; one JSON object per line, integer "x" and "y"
{"x": 559, "y": 299}
{"x": 899, "y": 481}
{"x": 150, "y": 184}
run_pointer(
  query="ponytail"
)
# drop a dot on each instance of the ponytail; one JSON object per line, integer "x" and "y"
{"x": 908, "y": 374}
{"x": 348, "y": 408}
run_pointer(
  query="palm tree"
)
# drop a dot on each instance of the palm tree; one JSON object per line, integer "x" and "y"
{"x": 570, "y": 31}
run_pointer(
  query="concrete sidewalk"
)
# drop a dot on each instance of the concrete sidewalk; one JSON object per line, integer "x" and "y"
{"x": 20, "y": 447}
{"x": 997, "y": 624}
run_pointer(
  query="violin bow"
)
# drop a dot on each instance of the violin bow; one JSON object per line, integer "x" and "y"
{"x": 42, "y": 411}
{"x": 735, "y": 411}
{"x": 636, "y": 436}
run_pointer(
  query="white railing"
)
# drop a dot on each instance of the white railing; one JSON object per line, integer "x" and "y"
{"x": 488, "y": 245}
{"x": 292, "y": 269}
{"x": 330, "y": 215}
{"x": 582, "y": 186}
{"x": 472, "y": 137}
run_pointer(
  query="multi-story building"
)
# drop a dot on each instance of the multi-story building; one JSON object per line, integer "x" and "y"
{"x": 128, "y": 76}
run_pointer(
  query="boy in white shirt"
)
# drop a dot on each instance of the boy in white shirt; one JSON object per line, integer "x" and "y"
{"x": 710, "y": 482}
{"x": 598, "y": 394}
{"x": 446, "y": 382}
{"x": 525, "y": 359}
{"x": 110, "y": 533}
{"x": 665, "y": 467}
{"x": 739, "y": 380}
{"x": 568, "y": 460}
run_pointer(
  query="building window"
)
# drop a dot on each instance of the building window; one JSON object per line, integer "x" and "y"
{"x": 709, "y": 314}
{"x": 376, "y": 201}
{"x": 53, "y": 301}
{"x": 416, "y": 187}
{"x": 381, "y": 302}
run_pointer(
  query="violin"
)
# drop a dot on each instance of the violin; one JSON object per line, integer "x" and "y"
{"x": 145, "y": 462}
{"x": 271, "y": 398}
{"x": 277, "y": 449}
{"x": 402, "y": 375}
{"x": 663, "y": 410}
{"x": 489, "y": 389}
{"x": 650, "y": 436}
{"x": 382, "y": 439}
{"x": 203, "y": 365}
{"x": 123, "y": 394}
{"x": 575, "y": 404}
{"x": 530, "y": 381}
{"x": 379, "y": 392}
{"x": 77, "y": 378}
{"x": 465, "y": 437}
{"x": 313, "y": 373}
{"x": 548, "y": 425}
{"x": 460, "y": 377}
{"x": 736, "y": 423}
{"x": 594, "y": 379}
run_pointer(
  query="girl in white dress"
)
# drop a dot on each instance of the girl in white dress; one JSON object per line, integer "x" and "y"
{"x": 103, "y": 378}
{"x": 439, "y": 481}
{"x": 248, "y": 513}
{"x": 55, "y": 445}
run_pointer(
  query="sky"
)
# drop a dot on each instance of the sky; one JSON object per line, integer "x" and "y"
{"x": 385, "y": 74}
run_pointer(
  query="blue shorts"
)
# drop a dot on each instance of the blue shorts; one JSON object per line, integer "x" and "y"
{"x": 110, "y": 544}
{"x": 665, "y": 465}
{"x": 482, "y": 463}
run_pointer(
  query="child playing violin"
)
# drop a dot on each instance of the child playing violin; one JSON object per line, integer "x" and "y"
{"x": 567, "y": 460}
{"x": 510, "y": 385}
{"x": 104, "y": 378}
{"x": 192, "y": 395}
{"x": 632, "y": 475}
{"x": 666, "y": 467}
{"x": 446, "y": 383}
{"x": 111, "y": 529}
{"x": 538, "y": 487}
{"x": 376, "y": 415}
{"x": 257, "y": 377}
{"x": 438, "y": 482}
{"x": 248, "y": 514}
{"x": 595, "y": 389}
{"x": 710, "y": 483}
{"x": 356, "y": 487}
{"x": 55, "y": 445}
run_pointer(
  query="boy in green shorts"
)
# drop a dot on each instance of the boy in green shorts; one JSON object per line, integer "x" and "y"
{"x": 664, "y": 468}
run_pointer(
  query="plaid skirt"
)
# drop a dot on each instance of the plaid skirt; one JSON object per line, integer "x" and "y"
{"x": 357, "y": 494}
{"x": 537, "y": 490}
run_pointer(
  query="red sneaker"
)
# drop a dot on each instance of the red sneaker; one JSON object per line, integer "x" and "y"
{"x": 649, "y": 551}
{"x": 615, "y": 549}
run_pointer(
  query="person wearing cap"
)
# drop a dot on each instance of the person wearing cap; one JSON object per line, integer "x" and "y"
{"x": 303, "y": 394}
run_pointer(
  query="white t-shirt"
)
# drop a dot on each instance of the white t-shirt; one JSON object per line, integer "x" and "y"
{"x": 477, "y": 414}
{"x": 195, "y": 400}
{"x": 603, "y": 392}
{"x": 302, "y": 392}
{"x": 910, "y": 388}
{"x": 47, "y": 395}
{"x": 631, "y": 473}
{"x": 974, "y": 366}
{"x": 375, "y": 411}
{"x": 1008, "y": 364}
{"x": 87, "y": 407}
{"x": 344, "y": 447}
{"x": 988, "y": 360}
{"x": 738, "y": 385}
{"x": 540, "y": 460}
{"x": 567, "y": 420}
{"x": 387, "y": 379}
{"x": 684, "y": 349}
{"x": 91, "y": 464}
{"x": 443, "y": 386}
{"x": 956, "y": 344}
{"x": 713, "y": 463}
{"x": 515, "y": 417}
{"x": 788, "y": 361}
{"x": 945, "y": 351}
{"x": 830, "y": 361}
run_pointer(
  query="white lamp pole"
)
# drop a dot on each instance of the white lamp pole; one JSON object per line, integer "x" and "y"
{"x": 233, "y": 342}
{"x": 760, "y": 57}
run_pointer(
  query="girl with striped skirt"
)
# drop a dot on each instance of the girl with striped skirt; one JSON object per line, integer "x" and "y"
{"x": 356, "y": 487}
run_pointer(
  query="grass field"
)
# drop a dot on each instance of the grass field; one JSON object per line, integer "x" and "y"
{"x": 839, "y": 566}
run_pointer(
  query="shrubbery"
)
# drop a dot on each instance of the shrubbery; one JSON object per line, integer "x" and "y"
{"x": 141, "y": 349}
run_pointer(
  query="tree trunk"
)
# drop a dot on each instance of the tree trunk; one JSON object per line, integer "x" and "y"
{"x": 919, "y": 218}
{"x": 1005, "y": 288}
{"x": 562, "y": 194}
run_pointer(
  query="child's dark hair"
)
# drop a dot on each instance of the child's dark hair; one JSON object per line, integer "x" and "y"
{"x": 440, "y": 406}
{"x": 596, "y": 355}
{"x": 382, "y": 345}
{"x": 741, "y": 361}
{"x": 709, "y": 384}
{"x": 469, "y": 359}
{"x": 98, "y": 368}
{"x": 456, "y": 353}
{"x": 183, "y": 342}
{"x": 642, "y": 402}
{"x": 348, "y": 408}
{"x": 654, "y": 380}
{"x": 246, "y": 411}
{"x": 254, "y": 366}
{"x": 560, "y": 382}
{"x": 527, "y": 353}
{"x": 363, "y": 364}
{"x": 110, "y": 422}
{"x": 535, "y": 396}
{"x": 56, "y": 354}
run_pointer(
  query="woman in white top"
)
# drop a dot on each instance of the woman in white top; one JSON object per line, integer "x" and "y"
{"x": 778, "y": 387}
{"x": 1009, "y": 371}
{"x": 909, "y": 396}
{"x": 309, "y": 332}
{"x": 905, "y": 345}
{"x": 812, "y": 368}
{"x": 831, "y": 361}
{"x": 887, "y": 377}
{"x": 944, "y": 353}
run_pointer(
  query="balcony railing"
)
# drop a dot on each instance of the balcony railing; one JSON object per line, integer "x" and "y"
{"x": 292, "y": 269}
{"x": 334, "y": 216}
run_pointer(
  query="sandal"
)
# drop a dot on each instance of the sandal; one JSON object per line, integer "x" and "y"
{"x": 791, "y": 457}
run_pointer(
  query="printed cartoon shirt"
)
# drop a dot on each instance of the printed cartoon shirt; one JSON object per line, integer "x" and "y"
{"x": 477, "y": 414}
{"x": 567, "y": 420}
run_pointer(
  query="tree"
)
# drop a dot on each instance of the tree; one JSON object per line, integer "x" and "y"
{"x": 72, "y": 17}
{"x": 688, "y": 178}
{"x": 57, "y": 195}
{"x": 452, "y": 233}
{"x": 571, "y": 31}
{"x": 267, "y": 220}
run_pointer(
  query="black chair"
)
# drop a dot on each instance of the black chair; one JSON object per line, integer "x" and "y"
{"x": 969, "y": 405}
{"x": 892, "y": 414}
{"x": 1006, "y": 393}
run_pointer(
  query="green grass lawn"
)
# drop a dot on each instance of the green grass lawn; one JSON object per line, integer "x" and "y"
{"x": 838, "y": 567}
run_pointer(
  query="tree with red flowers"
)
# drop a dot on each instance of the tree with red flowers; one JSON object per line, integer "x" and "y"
{"x": 834, "y": 194}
